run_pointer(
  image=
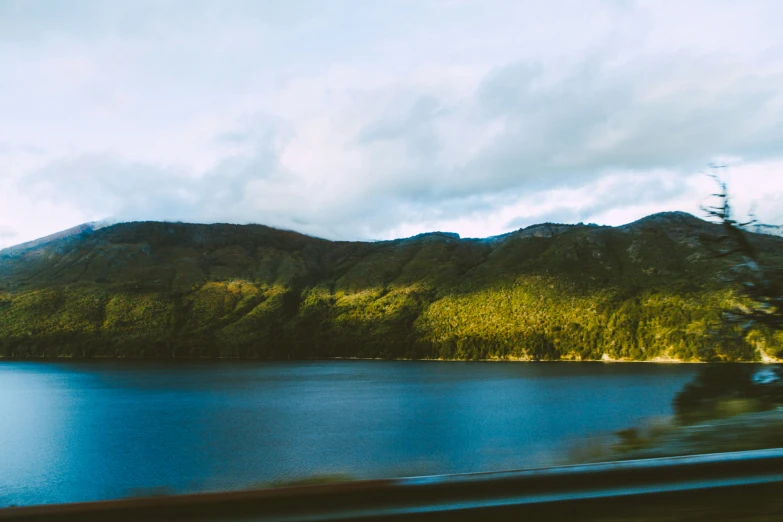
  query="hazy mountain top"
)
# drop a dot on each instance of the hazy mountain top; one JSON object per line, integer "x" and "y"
{"x": 69, "y": 233}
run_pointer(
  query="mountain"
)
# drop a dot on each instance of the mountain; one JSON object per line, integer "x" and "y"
{"x": 648, "y": 290}
{"x": 63, "y": 234}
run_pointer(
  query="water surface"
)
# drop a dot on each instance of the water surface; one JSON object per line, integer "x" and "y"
{"x": 77, "y": 431}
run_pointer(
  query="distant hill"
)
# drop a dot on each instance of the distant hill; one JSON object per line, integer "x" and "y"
{"x": 648, "y": 290}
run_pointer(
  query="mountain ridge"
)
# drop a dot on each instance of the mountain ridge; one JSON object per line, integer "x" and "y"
{"x": 96, "y": 225}
{"x": 646, "y": 290}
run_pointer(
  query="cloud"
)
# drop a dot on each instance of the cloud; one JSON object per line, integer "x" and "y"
{"x": 613, "y": 192}
{"x": 539, "y": 134}
{"x": 7, "y": 233}
{"x": 115, "y": 186}
{"x": 675, "y": 112}
{"x": 368, "y": 121}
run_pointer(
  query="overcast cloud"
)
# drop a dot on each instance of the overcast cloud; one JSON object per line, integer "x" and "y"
{"x": 378, "y": 119}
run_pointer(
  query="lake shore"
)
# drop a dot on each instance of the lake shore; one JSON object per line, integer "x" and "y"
{"x": 606, "y": 360}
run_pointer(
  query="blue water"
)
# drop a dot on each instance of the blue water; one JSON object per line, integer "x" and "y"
{"x": 78, "y": 431}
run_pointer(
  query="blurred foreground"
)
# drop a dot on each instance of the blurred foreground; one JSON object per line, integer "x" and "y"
{"x": 731, "y": 486}
{"x": 727, "y": 407}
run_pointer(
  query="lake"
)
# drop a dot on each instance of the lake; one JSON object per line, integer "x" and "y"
{"x": 78, "y": 431}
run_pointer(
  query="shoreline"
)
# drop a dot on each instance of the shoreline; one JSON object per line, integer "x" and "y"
{"x": 661, "y": 361}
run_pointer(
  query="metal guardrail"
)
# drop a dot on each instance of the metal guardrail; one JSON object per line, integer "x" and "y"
{"x": 466, "y": 496}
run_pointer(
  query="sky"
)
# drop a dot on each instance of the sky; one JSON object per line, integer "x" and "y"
{"x": 374, "y": 119}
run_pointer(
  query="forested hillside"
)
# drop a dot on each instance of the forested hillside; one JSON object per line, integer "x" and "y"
{"x": 643, "y": 291}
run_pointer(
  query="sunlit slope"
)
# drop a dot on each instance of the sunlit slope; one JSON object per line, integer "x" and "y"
{"x": 642, "y": 291}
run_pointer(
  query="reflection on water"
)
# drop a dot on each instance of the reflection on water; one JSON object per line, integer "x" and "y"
{"x": 96, "y": 430}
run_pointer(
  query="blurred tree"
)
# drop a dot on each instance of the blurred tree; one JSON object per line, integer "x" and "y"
{"x": 761, "y": 285}
{"x": 716, "y": 388}
{"x": 725, "y": 389}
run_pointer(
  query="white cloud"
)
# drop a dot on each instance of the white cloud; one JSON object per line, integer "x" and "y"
{"x": 369, "y": 120}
